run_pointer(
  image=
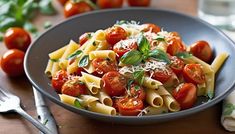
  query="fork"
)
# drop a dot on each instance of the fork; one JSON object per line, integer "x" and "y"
{"x": 11, "y": 103}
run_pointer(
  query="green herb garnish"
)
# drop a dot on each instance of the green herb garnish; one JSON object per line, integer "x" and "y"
{"x": 183, "y": 55}
{"x": 159, "y": 55}
{"x": 132, "y": 57}
{"x": 139, "y": 76}
{"x": 129, "y": 82}
{"x": 55, "y": 60}
{"x": 77, "y": 103}
{"x": 47, "y": 24}
{"x": 228, "y": 108}
{"x": 84, "y": 61}
{"x": 74, "y": 54}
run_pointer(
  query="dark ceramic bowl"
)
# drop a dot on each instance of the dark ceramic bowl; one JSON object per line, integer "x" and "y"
{"x": 191, "y": 29}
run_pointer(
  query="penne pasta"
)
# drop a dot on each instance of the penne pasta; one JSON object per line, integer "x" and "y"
{"x": 151, "y": 83}
{"x": 102, "y": 54}
{"x": 218, "y": 61}
{"x": 153, "y": 98}
{"x": 48, "y": 70}
{"x": 101, "y": 108}
{"x": 58, "y": 53}
{"x": 92, "y": 82}
{"x": 104, "y": 98}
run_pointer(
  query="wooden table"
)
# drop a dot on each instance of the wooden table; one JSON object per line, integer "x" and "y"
{"x": 207, "y": 121}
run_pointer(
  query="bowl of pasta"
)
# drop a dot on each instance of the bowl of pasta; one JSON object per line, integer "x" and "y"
{"x": 135, "y": 66}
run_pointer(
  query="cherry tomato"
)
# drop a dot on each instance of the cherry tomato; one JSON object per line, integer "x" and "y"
{"x": 202, "y": 50}
{"x": 150, "y": 27}
{"x": 79, "y": 71}
{"x": 18, "y": 38}
{"x": 109, "y": 3}
{"x": 124, "y": 46}
{"x": 193, "y": 73}
{"x": 162, "y": 75}
{"x": 114, "y": 84}
{"x": 74, "y": 87}
{"x": 130, "y": 106}
{"x": 137, "y": 91}
{"x": 84, "y": 37}
{"x": 175, "y": 35}
{"x": 71, "y": 8}
{"x": 103, "y": 66}
{"x": 12, "y": 62}
{"x": 59, "y": 79}
{"x": 62, "y": 2}
{"x": 141, "y": 3}
{"x": 115, "y": 34}
{"x": 175, "y": 46}
{"x": 186, "y": 95}
{"x": 176, "y": 65}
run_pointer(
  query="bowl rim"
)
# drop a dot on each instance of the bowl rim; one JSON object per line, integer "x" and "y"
{"x": 170, "y": 115}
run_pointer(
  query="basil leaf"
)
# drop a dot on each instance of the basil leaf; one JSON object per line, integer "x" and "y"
{"x": 183, "y": 55}
{"x": 159, "y": 55}
{"x": 84, "y": 61}
{"x": 136, "y": 87}
{"x": 160, "y": 38}
{"x": 7, "y": 22}
{"x": 77, "y": 103}
{"x": 54, "y": 60}
{"x": 47, "y": 24}
{"x": 139, "y": 76}
{"x": 46, "y": 7}
{"x": 143, "y": 44}
{"x": 129, "y": 82}
{"x": 74, "y": 54}
{"x": 30, "y": 27}
{"x": 133, "y": 57}
{"x": 121, "y": 22}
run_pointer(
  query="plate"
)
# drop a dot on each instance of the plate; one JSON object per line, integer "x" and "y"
{"x": 191, "y": 29}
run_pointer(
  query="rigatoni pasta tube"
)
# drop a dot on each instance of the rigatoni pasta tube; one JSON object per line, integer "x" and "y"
{"x": 55, "y": 68}
{"x": 101, "y": 108}
{"x": 151, "y": 83}
{"x": 49, "y": 68}
{"x": 104, "y": 98}
{"x": 92, "y": 82}
{"x": 171, "y": 103}
{"x": 149, "y": 110}
{"x": 102, "y": 54}
{"x": 57, "y": 53}
{"x": 88, "y": 99}
{"x": 218, "y": 61}
{"x": 153, "y": 98}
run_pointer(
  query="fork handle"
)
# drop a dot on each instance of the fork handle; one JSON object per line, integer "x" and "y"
{"x": 36, "y": 123}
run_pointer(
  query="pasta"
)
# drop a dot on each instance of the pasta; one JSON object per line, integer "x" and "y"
{"x": 132, "y": 69}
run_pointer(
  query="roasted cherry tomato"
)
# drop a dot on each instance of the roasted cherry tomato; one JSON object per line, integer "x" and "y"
{"x": 84, "y": 37}
{"x": 150, "y": 27}
{"x": 59, "y": 79}
{"x": 202, "y": 50}
{"x": 193, "y": 73}
{"x": 103, "y": 66}
{"x": 186, "y": 95}
{"x": 139, "y": 3}
{"x": 12, "y": 62}
{"x": 162, "y": 75}
{"x": 115, "y": 34}
{"x": 114, "y": 84}
{"x": 71, "y": 8}
{"x": 175, "y": 46}
{"x": 62, "y": 2}
{"x": 74, "y": 87}
{"x": 109, "y": 3}
{"x": 175, "y": 35}
{"x": 130, "y": 106}
{"x": 177, "y": 65}
{"x": 124, "y": 46}
{"x": 137, "y": 91}
{"x": 17, "y": 38}
{"x": 79, "y": 71}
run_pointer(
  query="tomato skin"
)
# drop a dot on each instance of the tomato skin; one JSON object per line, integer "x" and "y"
{"x": 162, "y": 76}
{"x": 120, "y": 51}
{"x": 193, "y": 73}
{"x": 130, "y": 106}
{"x": 73, "y": 87}
{"x": 17, "y": 38}
{"x": 150, "y": 27}
{"x": 186, "y": 95}
{"x": 175, "y": 46}
{"x": 115, "y": 34}
{"x": 139, "y": 3}
{"x": 84, "y": 37}
{"x": 114, "y": 83}
{"x": 59, "y": 79}
{"x": 177, "y": 65}
{"x": 103, "y": 66}
{"x": 202, "y": 50}
{"x": 103, "y": 4}
{"x": 12, "y": 62}
{"x": 71, "y": 8}
{"x": 137, "y": 93}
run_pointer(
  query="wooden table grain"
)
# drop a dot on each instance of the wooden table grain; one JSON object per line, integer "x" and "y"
{"x": 207, "y": 121}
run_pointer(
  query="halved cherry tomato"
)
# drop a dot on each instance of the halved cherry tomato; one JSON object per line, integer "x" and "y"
{"x": 175, "y": 46}
{"x": 130, "y": 106}
{"x": 109, "y": 3}
{"x": 115, "y": 34}
{"x": 17, "y": 38}
{"x": 79, "y": 71}
{"x": 137, "y": 91}
{"x": 114, "y": 84}
{"x": 124, "y": 46}
{"x": 186, "y": 95}
{"x": 202, "y": 50}
{"x": 74, "y": 87}
{"x": 12, "y": 62}
{"x": 71, "y": 8}
{"x": 177, "y": 65}
{"x": 193, "y": 73}
{"x": 150, "y": 27}
{"x": 142, "y": 3}
{"x": 103, "y": 66}
{"x": 84, "y": 37}
{"x": 59, "y": 79}
{"x": 162, "y": 75}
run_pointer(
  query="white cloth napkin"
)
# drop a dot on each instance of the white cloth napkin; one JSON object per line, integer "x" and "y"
{"x": 228, "y": 114}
